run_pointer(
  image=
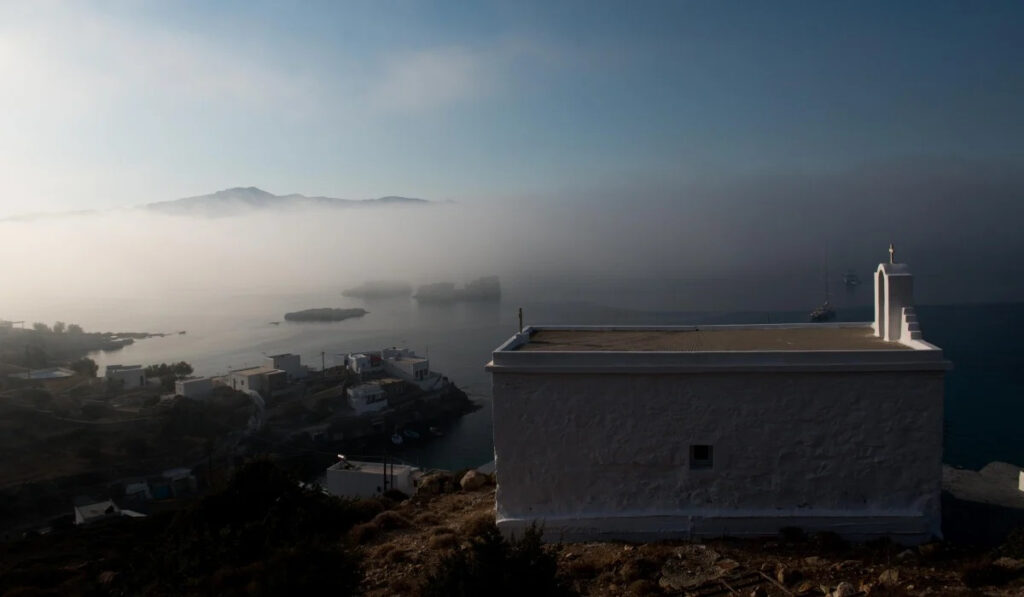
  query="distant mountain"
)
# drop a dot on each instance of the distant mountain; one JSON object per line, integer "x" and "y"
{"x": 241, "y": 199}
{"x": 235, "y": 201}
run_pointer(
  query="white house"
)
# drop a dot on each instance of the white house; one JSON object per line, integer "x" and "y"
{"x": 263, "y": 380}
{"x": 95, "y": 512}
{"x": 367, "y": 397}
{"x": 195, "y": 388}
{"x": 408, "y": 367}
{"x": 132, "y": 376}
{"x": 350, "y": 478}
{"x": 677, "y": 432}
{"x": 364, "y": 363}
{"x": 291, "y": 364}
{"x": 400, "y": 363}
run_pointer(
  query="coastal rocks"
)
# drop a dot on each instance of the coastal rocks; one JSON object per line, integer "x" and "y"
{"x": 473, "y": 480}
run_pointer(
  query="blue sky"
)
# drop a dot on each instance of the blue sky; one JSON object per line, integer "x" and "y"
{"x": 111, "y": 104}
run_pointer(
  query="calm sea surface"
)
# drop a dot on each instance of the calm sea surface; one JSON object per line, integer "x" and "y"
{"x": 983, "y": 391}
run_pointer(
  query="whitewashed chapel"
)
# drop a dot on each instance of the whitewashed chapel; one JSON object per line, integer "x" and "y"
{"x": 673, "y": 432}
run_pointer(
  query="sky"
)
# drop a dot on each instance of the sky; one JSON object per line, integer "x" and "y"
{"x": 112, "y": 104}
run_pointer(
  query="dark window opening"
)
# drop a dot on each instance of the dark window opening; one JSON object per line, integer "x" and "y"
{"x": 701, "y": 456}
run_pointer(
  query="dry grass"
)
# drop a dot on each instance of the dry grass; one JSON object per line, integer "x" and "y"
{"x": 401, "y": 558}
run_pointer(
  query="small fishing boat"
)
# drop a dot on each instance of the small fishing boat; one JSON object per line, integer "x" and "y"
{"x": 436, "y": 431}
{"x": 823, "y": 313}
{"x": 396, "y": 438}
{"x": 411, "y": 434}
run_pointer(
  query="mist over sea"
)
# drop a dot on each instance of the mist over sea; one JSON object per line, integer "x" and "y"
{"x": 229, "y": 330}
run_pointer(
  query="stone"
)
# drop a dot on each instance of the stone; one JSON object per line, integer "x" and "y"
{"x": 844, "y": 589}
{"x": 787, "y": 576}
{"x": 904, "y": 555}
{"x": 472, "y": 481}
{"x": 805, "y": 587}
{"x": 890, "y": 577}
{"x": 813, "y": 561}
{"x": 759, "y": 592}
{"x": 436, "y": 484}
{"x": 727, "y": 564}
{"x": 1009, "y": 563}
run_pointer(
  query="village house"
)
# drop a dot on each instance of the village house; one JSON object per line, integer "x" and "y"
{"x": 263, "y": 380}
{"x": 90, "y": 511}
{"x": 291, "y": 364}
{"x": 647, "y": 433}
{"x": 195, "y": 388}
{"x": 367, "y": 397}
{"x": 399, "y": 363}
{"x": 356, "y": 479}
{"x": 130, "y": 376}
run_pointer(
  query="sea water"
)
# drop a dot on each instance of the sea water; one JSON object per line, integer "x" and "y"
{"x": 227, "y": 331}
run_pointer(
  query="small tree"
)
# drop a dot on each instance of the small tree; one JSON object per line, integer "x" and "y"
{"x": 74, "y": 328}
{"x": 59, "y": 327}
{"x": 85, "y": 366}
{"x": 40, "y": 327}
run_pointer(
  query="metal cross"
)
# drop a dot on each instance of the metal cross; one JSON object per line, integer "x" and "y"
{"x": 892, "y": 254}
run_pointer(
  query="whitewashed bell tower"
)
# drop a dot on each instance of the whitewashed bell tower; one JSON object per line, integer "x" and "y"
{"x": 895, "y": 319}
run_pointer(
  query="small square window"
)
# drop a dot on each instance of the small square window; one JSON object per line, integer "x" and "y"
{"x": 701, "y": 456}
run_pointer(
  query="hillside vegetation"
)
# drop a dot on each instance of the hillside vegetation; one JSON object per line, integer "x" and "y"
{"x": 263, "y": 534}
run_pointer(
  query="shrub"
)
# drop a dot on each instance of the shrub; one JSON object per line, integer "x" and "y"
{"x": 262, "y": 530}
{"x": 442, "y": 541}
{"x": 494, "y": 566}
{"x": 985, "y": 573}
{"x": 478, "y": 525}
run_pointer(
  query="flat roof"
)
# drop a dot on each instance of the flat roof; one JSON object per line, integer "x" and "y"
{"x": 256, "y": 370}
{"x": 376, "y": 468}
{"x": 711, "y": 339}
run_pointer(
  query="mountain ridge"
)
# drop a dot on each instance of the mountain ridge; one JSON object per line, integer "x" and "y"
{"x": 236, "y": 201}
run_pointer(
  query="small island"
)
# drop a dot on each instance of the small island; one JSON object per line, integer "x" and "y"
{"x": 324, "y": 314}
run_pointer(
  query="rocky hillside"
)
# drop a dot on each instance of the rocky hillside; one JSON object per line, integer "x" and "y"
{"x": 263, "y": 535}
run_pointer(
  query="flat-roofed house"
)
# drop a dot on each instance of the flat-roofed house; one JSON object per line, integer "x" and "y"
{"x": 291, "y": 364}
{"x": 263, "y": 380}
{"x": 367, "y": 397}
{"x": 195, "y": 388}
{"x": 356, "y": 479}
{"x": 131, "y": 376}
{"x": 677, "y": 432}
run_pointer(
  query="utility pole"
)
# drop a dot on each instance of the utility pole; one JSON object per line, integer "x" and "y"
{"x": 520, "y": 320}
{"x": 323, "y": 366}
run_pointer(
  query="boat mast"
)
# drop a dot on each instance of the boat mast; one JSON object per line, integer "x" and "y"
{"x": 827, "y": 295}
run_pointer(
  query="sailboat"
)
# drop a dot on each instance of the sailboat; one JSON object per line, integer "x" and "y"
{"x": 825, "y": 312}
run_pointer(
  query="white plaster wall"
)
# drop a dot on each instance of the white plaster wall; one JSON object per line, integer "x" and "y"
{"x": 289, "y": 363}
{"x": 194, "y": 388}
{"x": 607, "y": 455}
